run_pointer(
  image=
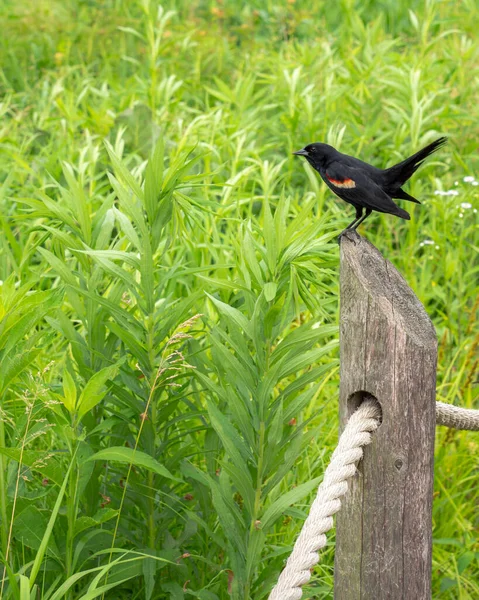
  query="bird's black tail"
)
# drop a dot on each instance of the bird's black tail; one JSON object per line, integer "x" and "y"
{"x": 400, "y": 173}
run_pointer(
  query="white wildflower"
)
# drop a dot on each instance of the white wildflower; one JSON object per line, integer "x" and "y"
{"x": 466, "y": 205}
{"x": 468, "y": 179}
{"x": 448, "y": 193}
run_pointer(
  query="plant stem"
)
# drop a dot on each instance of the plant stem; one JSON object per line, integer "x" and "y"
{"x": 3, "y": 493}
{"x": 151, "y": 486}
{"x": 71, "y": 514}
{"x": 257, "y": 497}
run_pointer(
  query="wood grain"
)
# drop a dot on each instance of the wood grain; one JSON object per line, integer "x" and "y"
{"x": 388, "y": 349}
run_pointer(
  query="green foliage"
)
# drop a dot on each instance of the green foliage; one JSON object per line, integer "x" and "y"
{"x": 169, "y": 280}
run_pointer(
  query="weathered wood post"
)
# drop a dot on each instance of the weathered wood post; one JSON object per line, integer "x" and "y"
{"x": 388, "y": 349}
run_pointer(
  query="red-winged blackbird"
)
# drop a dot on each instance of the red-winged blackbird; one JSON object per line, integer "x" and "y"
{"x": 363, "y": 185}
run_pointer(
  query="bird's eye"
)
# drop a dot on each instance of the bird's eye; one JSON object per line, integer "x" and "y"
{"x": 312, "y": 150}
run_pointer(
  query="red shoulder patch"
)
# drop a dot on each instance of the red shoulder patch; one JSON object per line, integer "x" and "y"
{"x": 345, "y": 183}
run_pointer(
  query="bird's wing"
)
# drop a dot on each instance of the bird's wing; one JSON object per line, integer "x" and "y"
{"x": 354, "y": 186}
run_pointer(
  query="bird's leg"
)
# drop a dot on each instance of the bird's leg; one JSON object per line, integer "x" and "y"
{"x": 358, "y": 217}
{"x": 358, "y": 222}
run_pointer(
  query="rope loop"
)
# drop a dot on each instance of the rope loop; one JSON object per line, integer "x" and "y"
{"x": 356, "y": 435}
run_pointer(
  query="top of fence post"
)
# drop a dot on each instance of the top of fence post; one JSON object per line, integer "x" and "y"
{"x": 388, "y": 349}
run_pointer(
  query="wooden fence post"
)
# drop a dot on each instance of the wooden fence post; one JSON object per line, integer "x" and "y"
{"x": 388, "y": 349}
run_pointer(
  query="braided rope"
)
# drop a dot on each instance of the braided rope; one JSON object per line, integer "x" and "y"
{"x": 456, "y": 417}
{"x": 312, "y": 538}
{"x": 349, "y": 451}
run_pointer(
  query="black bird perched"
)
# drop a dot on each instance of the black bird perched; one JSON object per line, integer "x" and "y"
{"x": 361, "y": 184}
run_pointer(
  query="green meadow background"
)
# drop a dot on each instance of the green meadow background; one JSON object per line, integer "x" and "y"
{"x": 169, "y": 280}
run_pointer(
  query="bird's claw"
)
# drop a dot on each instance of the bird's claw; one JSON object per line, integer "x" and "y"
{"x": 351, "y": 234}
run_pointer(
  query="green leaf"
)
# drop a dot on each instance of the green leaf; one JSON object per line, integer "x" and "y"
{"x": 122, "y": 172}
{"x": 255, "y": 547}
{"x": 117, "y": 272}
{"x": 217, "y": 283}
{"x": 129, "y": 205}
{"x": 275, "y": 510}
{"x": 22, "y": 327}
{"x": 447, "y": 583}
{"x": 101, "y": 571}
{"x": 35, "y": 460}
{"x": 100, "y": 591}
{"x": 276, "y": 429}
{"x": 302, "y": 339}
{"x": 24, "y": 588}
{"x": 149, "y": 572}
{"x": 464, "y": 561}
{"x": 103, "y": 227}
{"x": 95, "y": 389}
{"x": 250, "y": 257}
{"x": 12, "y": 367}
{"x": 49, "y": 529}
{"x": 311, "y": 376}
{"x": 237, "y": 451}
{"x": 127, "y": 228}
{"x": 13, "y": 583}
{"x": 269, "y": 233}
{"x": 154, "y": 179}
{"x": 57, "y": 210}
{"x": 127, "y": 257}
{"x": 23, "y": 316}
{"x": 69, "y": 391}
{"x": 60, "y": 593}
{"x": 269, "y": 290}
{"x": 131, "y": 341}
{"x": 190, "y": 470}
{"x": 78, "y": 201}
{"x": 233, "y": 444}
{"x": 103, "y": 515}
{"x": 177, "y": 169}
{"x": 68, "y": 240}
{"x": 233, "y": 314}
{"x": 29, "y": 527}
{"x": 133, "y": 457}
{"x": 147, "y": 275}
{"x": 305, "y": 360}
{"x": 227, "y": 520}
{"x": 232, "y": 365}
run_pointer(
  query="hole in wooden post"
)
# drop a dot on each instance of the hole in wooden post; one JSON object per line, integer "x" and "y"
{"x": 356, "y": 399}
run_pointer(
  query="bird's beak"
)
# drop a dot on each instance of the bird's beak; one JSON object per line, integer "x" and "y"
{"x": 301, "y": 152}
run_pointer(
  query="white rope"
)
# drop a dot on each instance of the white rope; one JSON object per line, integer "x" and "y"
{"x": 349, "y": 451}
{"x": 312, "y": 538}
{"x": 456, "y": 417}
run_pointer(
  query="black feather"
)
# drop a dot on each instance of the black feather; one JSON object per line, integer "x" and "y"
{"x": 398, "y": 174}
{"x": 402, "y": 195}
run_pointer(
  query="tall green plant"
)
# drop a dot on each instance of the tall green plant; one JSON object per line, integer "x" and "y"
{"x": 261, "y": 373}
